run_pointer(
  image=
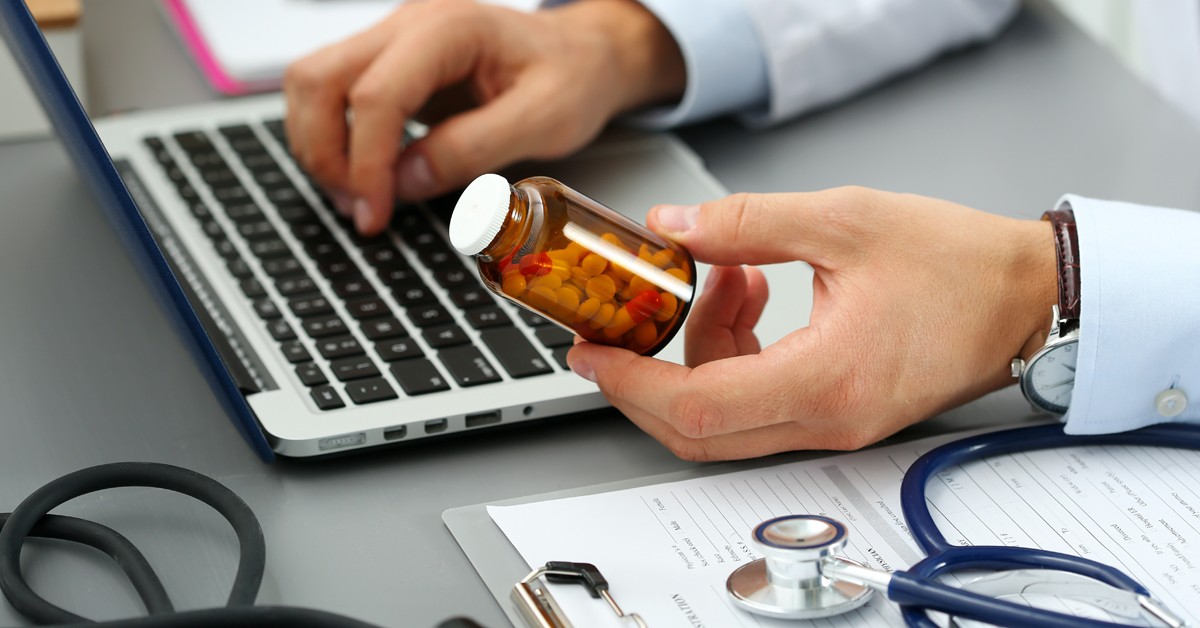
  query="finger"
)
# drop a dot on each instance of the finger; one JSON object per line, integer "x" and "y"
{"x": 315, "y": 88}
{"x": 709, "y": 332}
{"x": 761, "y": 229}
{"x": 484, "y": 139}
{"x": 394, "y": 87}
{"x": 722, "y": 397}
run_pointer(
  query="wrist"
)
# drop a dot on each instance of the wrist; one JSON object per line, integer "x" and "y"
{"x": 647, "y": 64}
{"x": 1041, "y": 285}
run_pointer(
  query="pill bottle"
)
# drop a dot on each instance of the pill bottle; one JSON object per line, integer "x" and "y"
{"x": 592, "y": 271}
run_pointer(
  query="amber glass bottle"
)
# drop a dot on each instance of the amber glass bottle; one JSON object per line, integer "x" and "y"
{"x": 557, "y": 252}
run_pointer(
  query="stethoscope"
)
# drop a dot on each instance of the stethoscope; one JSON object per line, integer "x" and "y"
{"x": 801, "y": 575}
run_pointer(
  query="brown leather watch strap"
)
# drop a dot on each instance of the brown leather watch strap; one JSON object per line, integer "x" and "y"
{"x": 1066, "y": 248}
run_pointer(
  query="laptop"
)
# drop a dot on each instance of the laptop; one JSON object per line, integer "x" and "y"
{"x": 315, "y": 340}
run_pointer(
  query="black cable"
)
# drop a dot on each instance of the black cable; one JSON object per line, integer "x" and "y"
{"x": 30, "y": 518}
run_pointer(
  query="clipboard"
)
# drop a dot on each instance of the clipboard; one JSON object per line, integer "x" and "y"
{"x": 499, "y": 564}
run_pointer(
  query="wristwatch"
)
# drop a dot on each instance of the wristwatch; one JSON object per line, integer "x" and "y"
{"x": 1048, "y": 379}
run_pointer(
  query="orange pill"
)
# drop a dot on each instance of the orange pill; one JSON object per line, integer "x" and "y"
{"x": 565, "y": 256}
{"x": 579, "y": 277}
{"x": 603, "y": 316}
{"x": 645, "y": 333}
{"x": 612, "y": 239}
{"x": 602, "y": 288}
{"x": 541, "y": 298}
{"x": 567, "y": 299}
{"x": 638, "y": 285}
{"x": 513, "y": 285}
{"x": 669, "y": 305}
{"x": 562, "y": 269}
{"x": 662, "y": 258}
{"x": 593, "y": 264}
{"x": 621, "y": 322}
{"x": 645, "y": 254}
{"x": 679, "y": 274}
{"x": 587, "y": 310}
{"x": 577, "y": 250}
{"x": 551, "y": 281}
{"x": 618, "y": 283}
{"x": 580, "y": 295}
{"x": 622, "y": 273}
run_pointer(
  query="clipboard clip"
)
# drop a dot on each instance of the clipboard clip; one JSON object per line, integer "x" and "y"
{"x": 538, "y": 607}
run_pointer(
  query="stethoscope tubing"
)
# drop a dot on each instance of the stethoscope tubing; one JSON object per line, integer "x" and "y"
{"x": 916, "y": 590}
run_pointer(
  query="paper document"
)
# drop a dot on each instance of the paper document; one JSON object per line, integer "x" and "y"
{"x": 667, "y": 549}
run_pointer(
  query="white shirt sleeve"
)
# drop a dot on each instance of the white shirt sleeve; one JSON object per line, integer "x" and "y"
{"x": 821, "y": 51}
{"x": 1139, "y": 318}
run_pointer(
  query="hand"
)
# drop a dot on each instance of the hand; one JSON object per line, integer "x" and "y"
{"x": 919, "y": 305}
{"x": 546, "y": 84}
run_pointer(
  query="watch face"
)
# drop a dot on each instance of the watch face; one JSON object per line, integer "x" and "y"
{"x": 1050, "y": 377}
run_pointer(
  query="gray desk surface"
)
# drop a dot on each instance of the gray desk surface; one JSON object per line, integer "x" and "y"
{"x": 90, "y": 371}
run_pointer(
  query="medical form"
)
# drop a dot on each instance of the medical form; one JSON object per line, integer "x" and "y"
{"x": 667, "y": 549}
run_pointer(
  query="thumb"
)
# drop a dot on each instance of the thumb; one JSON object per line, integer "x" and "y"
{"x": 754, "y": 229}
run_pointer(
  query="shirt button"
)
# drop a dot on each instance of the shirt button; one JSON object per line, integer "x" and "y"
{"x": 1170, "y": 402}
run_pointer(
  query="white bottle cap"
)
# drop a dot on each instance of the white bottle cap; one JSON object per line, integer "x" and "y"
{"x": 480, "y": 213}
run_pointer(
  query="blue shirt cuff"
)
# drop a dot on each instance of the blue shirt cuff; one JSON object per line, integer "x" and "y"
{"x": 1139, "y": 320}
{"x": 725, "y": 78}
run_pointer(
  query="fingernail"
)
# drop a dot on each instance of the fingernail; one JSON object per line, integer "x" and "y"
{"x": 678, "y": 218}
{"x": 584, "y": 370}
{"x": 362, "y": 214}
{"x": 711, "y": 281}
{"x": 341, "y": 202}
{"x": 414, "y": 177}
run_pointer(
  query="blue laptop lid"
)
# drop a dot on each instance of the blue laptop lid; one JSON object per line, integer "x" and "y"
{"x": 78, "y": 136}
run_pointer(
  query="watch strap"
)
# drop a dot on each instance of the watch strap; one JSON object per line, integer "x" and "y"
{"x": 1066, "y": 249}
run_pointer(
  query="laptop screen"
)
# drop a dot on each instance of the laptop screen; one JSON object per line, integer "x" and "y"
{"x": 94, "y": 164}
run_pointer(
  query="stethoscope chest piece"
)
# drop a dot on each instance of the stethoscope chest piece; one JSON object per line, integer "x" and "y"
{"x": 787, "y": 582}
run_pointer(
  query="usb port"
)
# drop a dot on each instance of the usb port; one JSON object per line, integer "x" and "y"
{"x": 483, "y": 418}
{"x": 435, "y": 426}
{"x": 395, "y": 433}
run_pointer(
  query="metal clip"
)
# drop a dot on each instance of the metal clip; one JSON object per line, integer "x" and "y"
{"x": 538, "y": 607}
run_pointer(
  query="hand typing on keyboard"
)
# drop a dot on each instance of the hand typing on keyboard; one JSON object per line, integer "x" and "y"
{"x": 534, "y": 86}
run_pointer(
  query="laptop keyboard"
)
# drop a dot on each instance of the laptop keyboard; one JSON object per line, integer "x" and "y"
{"x": 328, "y": 311}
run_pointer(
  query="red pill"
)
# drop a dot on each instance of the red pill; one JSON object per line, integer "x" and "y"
{"x": 536, "y": 264}
{"x": 643, "y": 306}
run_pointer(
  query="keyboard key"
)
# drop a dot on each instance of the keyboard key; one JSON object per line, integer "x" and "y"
{"x": 310, "y": 306}
{"x": 321, "y": 326}
{"x": 310, "y": 374}
{"x": 397, "y": 274}
{"x": 239, "y": 268}
{"x": 187, "y": 192}
{"x": 418, "y": 377}
{"x": 259, "y": 161}
{"x": 445, "y": 336}
{"x": 246, "y": 145}
{"x": 271, "y": 178}
{"x": 267, "y": 309}
{"x": 471, "y": 297}
{"x": 283, "y": 195}
{"x": 282, "y": 266}
{"x": 439, "y": 258}
{"x": 451, "y": 278}
{"x": 309, "y": 231}
{"x": 275, "y": 128}
{"x": 468, "y": 366}
{"x": 273, "y": 247}
{"x": 367, "y": 307}
{"x": 413, "y": 294}
{"x": 338, "y": 347}
{"x": 380, "y": 328}
{"x": 291, "y": 285}
{"x": 225, "y": 248}
{"x": 515, "y": 353}
{"x": 208, "y": 160}
{"x": 243, "y": 211}
{"x": 280, "y": 330}
{"x": 327, "y": 398}
{"x": 370, "y": 390}
{"x": 335, "y": 268}
{"x": 257, "y": 230}
{"x": 200, "y": 210}
{"x": 325, "y": 249}
{"x": 215, "y": 177}
{"x": 193, "y": 140}
{"x": 352, "y": 287}
{"x": 295, "y": 352}
{"x": 212, "y": 229}
{"x": 398, "y": 349}
{"x": 429, "y": 315}
{"x": 532, "y": 319}
{"x": 554, "y": 336}
{"x": 490, "y": 316}
{"x": 358, "y": 367}
{"x": 236, "y": 130}
{"x": 252, "y": 288}
{"x": 295, "y": 212}
{"x": 231, "y": 194}
{"x": 560, "y": 355}
{"x": 381, "y": 253}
